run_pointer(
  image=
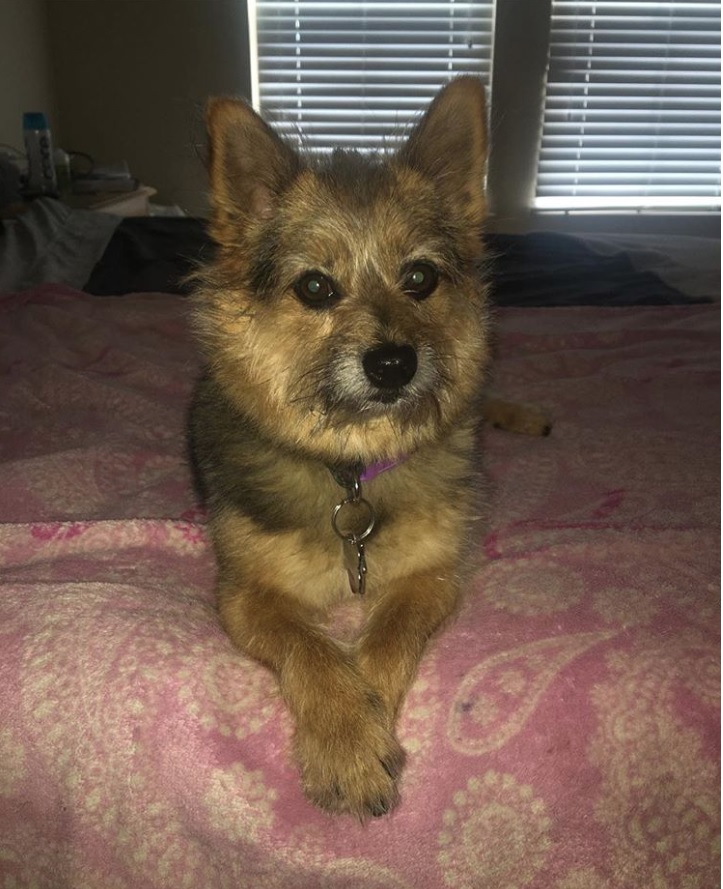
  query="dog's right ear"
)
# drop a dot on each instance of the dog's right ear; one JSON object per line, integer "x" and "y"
{"x": 249, "y": 166}
{"x": 449, "y": 145}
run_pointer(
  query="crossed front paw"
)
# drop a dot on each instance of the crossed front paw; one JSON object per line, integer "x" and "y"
{"x": 350, "y": 762}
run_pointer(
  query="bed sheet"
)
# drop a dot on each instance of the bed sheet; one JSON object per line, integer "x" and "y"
{"x": 563, "y": 733}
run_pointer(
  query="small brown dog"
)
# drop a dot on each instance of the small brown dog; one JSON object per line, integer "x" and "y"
{"x": 346, "y": 336}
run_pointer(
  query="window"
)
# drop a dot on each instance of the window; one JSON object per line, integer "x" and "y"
{"x": 348, "y": 73}
{"x": 596, "y": 105}
{"x": 632, "y": 109}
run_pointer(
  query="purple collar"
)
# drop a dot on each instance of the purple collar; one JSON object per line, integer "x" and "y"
{"x": 376, "y": 469}
{"x": 350, "y": 476}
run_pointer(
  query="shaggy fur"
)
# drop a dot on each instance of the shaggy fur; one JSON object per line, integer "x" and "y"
{"x": 317, "y": 273}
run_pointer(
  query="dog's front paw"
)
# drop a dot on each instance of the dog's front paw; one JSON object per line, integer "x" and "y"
{"x": 350, "y": 762}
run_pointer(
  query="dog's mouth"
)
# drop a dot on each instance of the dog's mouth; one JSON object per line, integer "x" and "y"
{"x": 401, "y": 410}
{"x": 388, "y": 397}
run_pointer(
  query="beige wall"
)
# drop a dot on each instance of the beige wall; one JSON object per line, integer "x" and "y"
{"x": 131, "y": 77}
{"x": 24, "y": 69}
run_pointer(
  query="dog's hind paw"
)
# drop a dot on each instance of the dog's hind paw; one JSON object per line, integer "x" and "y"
{"x": 525, "y": 419}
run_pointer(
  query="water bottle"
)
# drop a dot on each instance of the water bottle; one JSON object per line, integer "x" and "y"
{"x": 39, "y": 148}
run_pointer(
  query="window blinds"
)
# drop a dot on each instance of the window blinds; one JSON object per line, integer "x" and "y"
{"x": 632, "y": 107}
{"x": 355, "y": 74}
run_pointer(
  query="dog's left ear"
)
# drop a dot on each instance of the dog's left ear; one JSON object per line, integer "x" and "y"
{"x": 449, "y": 145}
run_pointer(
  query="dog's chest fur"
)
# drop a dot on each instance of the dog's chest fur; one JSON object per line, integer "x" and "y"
{"x": 282, "y": 504}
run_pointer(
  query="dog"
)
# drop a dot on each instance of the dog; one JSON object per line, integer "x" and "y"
{"x": 346, "y": 334}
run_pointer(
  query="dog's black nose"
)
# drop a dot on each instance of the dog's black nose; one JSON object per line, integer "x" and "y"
{"x": 390, "y": 366}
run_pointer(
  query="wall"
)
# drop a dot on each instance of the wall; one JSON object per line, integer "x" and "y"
{"x": 24, "y": 68}
{"x": 131, "y": 78}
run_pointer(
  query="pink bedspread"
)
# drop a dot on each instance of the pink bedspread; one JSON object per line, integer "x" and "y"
{"x": 562, "y": 734}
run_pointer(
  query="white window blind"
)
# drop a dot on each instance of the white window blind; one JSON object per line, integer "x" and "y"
{"x": 632, "y": 108}
{"x": 355, "y": 74}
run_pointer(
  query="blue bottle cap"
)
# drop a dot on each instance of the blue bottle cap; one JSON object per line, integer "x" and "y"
{"x": 35, "y": 120}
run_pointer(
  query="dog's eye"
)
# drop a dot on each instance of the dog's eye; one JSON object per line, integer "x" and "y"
{"x": 420, "y": 280}
{"x": 315, "y": 289}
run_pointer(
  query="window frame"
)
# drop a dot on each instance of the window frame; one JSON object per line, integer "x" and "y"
{"x": 518, "y": 78}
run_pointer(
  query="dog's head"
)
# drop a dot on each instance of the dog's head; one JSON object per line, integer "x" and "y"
{"x": 344, "y": 313}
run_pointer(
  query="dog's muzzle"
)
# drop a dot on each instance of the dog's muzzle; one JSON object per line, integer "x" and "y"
{"x": 391, "y": 366}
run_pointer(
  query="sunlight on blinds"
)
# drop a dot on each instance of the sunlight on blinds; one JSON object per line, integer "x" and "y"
{"x": 632, "y": 108}
{"x": 355, "y": 74}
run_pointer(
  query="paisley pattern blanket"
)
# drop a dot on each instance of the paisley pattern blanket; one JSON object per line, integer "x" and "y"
{"x": 563, "y": 732}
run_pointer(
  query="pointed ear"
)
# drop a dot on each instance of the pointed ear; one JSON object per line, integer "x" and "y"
{"x": 249, "y": 166}
{"x": 449, "y": 145}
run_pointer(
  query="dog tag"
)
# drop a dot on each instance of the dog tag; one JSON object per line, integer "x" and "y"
{"x": 356, "y": 566}
{"x": 353, "y": 521}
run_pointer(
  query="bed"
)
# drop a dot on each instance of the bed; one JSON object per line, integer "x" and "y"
{"x": 563, "y": 733}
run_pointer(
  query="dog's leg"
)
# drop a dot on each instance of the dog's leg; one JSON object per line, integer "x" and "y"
{"x": 348, "y": 756}
{"x": 398, "y": 628}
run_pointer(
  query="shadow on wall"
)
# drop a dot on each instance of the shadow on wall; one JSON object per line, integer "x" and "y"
{"x": 131, "y": 80}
